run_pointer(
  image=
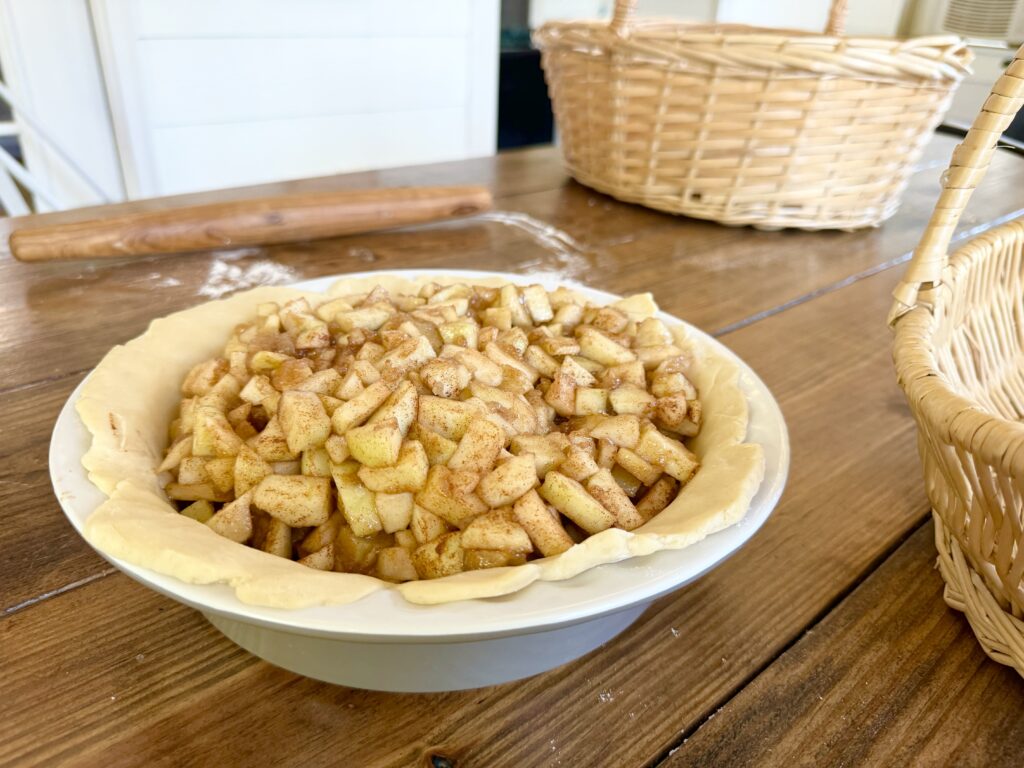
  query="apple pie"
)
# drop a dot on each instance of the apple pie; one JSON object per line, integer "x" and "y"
{"x": 415, "y": 436}
{"x": 400, "y": 432}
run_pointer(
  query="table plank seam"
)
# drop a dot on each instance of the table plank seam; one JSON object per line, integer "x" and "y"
{"x": 834, "y": 604}
{"x": 24, "y": 604}
{"x": 870, "y": 272}
{"x": 42, "y": 382}
{"x": 539, "y": 228}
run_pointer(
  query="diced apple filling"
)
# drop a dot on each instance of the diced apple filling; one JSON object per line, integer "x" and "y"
{"x": 419, "y": 436}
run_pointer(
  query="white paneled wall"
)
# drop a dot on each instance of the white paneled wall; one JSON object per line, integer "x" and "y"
{"x": 192, "y": 157}
{"x": 204, "y": 81}
{"x": 50, "y": 64}
{"x": 547, "y": 10}
{"x": 215, "y": 93}
{"x": 866, "y": 17}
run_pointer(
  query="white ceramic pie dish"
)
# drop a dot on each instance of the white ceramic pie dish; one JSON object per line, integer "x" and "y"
{"x": 383, "y": 642}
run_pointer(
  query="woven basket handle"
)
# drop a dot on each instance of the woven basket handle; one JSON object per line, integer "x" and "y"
{"x": 623, "y": 14}
{"x": 967, "y": 168}
{"x": 836, "y": 19}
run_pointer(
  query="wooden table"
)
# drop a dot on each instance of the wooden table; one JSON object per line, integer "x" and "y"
{"x": 824, "y": 642}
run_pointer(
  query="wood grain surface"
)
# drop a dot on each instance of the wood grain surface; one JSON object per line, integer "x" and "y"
{"x": 838, "y": 401}
{"x": 890, "y": 677}
{"x": 42, "y": 552}
{"x": 98, "y": 669}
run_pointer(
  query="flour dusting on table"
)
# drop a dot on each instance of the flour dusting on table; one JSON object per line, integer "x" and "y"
{"x": 224, "y": 278}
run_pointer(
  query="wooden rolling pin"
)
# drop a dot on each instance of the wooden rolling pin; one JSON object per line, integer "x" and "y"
{"x": 258, "y": 221}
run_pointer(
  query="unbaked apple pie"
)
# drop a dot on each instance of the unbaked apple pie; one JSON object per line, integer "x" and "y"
{"x": 414, "y": 435}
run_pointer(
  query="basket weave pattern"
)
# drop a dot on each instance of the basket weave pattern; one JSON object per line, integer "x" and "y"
{"x": 959, "y": 354}
{"x": 744, "y": 125}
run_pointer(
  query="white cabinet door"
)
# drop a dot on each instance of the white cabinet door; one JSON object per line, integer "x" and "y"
{"x": 217, "y": 93}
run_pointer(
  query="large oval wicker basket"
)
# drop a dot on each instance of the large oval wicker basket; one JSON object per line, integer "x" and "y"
{"x": 744, "y": 125}
{"x": 959, "y": 354}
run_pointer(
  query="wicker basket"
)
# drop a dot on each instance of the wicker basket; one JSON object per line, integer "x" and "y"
{"x": 959, "y": 354}
{"x": 743, "y": 125}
